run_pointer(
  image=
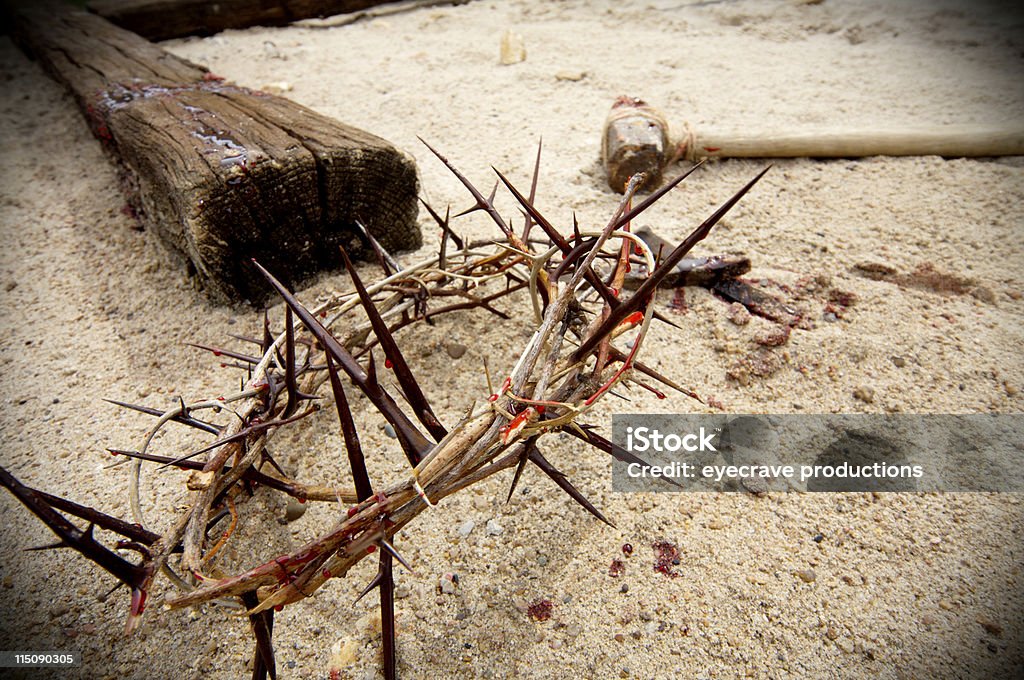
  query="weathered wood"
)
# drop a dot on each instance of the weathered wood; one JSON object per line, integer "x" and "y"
{"x": 221, "y": 173}
{"x": 163, "y": 19}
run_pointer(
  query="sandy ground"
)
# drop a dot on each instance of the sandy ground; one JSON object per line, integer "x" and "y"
{"x": 904, "y": 585}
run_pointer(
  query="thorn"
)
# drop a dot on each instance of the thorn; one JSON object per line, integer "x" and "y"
{"x": 391, "y": 549}
{"x": 563, "y": 482}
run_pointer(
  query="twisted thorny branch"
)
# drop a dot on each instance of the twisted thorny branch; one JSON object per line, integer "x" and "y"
{"x": 568, "y": 365}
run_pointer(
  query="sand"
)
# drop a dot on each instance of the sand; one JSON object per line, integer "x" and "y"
{"x": 788, "y": 585}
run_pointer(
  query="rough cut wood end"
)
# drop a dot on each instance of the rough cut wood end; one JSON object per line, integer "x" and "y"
{"x": 220, "y": 173}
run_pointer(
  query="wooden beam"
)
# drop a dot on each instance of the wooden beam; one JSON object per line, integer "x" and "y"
{"x": 220, "y": 173}
{"x": 164, "y": 19}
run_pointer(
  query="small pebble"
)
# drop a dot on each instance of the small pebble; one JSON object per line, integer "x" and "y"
{"x": 758, "y": 486}
{"x": 773, "y": 337}
{"x": 290, "y": 664}
{"x": 832, "y": 633}
{"x": 466, "y": 528}
{"x": 555, "y": 643}
{"x": 493, "y": 528}
{"x": 1011, "y": 389}
{"x": 929, "y": 620}
{"x": 279, "y": 87}
{"x": 390, "y": 431}
{"x": 738, "y": 314}
{"x": 717, "y": 523}
{"x": 455, "y": 350}
{"x": 865, "y": 394}
{"x": 513, "y": 49}
{"x": 806, "y": 575}
{"x": 401, "y": 592}
{"x": 59, "y": 610}
{"x": 619, "y": 637}
{"x": 845, "y": 644}
{"x": 991, "y": 627}
{"x": 983, "y": 293}
{"x": 542, "y": 560}
{"x": 447, "y": 583}
{"x": 624, "y": 588}
{"x": 898, "y": 361}
{"x": 818, "y": 538}
{"x": 294, "y": 510}
{"x": 8, "y": 582}
{"x": 270, "y": 50}
{"x": 572, "y": 76}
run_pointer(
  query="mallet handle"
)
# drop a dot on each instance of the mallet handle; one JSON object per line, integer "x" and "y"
{"x": 937, "y": 140}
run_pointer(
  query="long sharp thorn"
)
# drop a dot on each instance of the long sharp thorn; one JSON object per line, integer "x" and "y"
{"x": 533, "y": 191}
{"x": 650, "y": 284}
{"x": 239, "y": 436}
{"x": 251, "y": 474}
{"x": 617, "y": 355}
{"x": 218, "y": 351}
{"x": 268, "y": 339}
{"x": 262, "y": 625}
{"x": 49, "y": 546}
{"x": 348, "y": 429}
{"x": 563, "y": 482}
{"x": 664, "y": 319}
{"x": 414, "y": 444}
{"x": 384, "y": 543}
{"x": 653, "y": 198}
{"x": 482, "y": 202}
{"x": 184, "y": 420}
{"x": 290, "y": 372}
{"x": 131, "y": 574}
{"x": 617, "y": 452}
{"x": 523, "y": 459}
{"x": 370, "y": 586}
{"x": 387, "y": 615}
{"x": 444, "y": 224}
{"x": 388, "y": 263}
{"x": 533, "y": 213}
{"x": 266, "y": 457}
{"x": 406, "y": 379}
{"x": 119, "y": 526}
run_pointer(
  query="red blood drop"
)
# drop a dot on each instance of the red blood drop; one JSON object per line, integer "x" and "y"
{"x": 493, "y": 397}
{"x": 387, "y": 363}
{"x": 627, "y": 549}
{"x": 371, "y": 549}
{"x": 301, "y": 500}
{"x": 353, "y": 510}
{"x": 217, "y": 353}
{"x": 540, "y": 408}
{"x": 278, "y": 607}
{"x": 327, "y": 573}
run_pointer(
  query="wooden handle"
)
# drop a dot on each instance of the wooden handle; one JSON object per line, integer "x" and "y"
{"x": 938, "y": 140}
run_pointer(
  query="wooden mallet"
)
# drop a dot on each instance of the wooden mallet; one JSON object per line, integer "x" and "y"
{"x": 636, "y": 139}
